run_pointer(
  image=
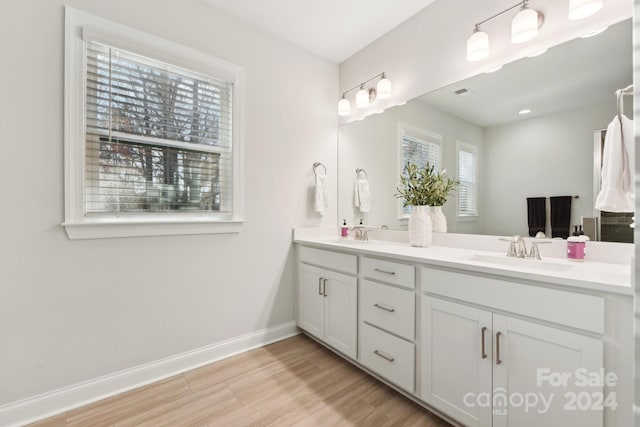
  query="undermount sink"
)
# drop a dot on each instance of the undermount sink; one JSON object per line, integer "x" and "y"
{"x": 519, "y": 262}
{"x": 346, "y": 241}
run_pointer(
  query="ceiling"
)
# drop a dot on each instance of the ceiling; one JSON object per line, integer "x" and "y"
{"x": 332, "y": 29}
{"x": 577, "y": 73}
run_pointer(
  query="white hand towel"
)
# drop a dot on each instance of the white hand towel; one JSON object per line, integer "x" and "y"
{"x": 362, "y": 199}
{"x": 616, "y": 189}
{"x": 321, "y": 202}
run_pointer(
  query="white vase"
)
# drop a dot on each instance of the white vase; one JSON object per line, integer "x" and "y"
{"x": 438, "y": 220}
{"x": 420, "y": 227}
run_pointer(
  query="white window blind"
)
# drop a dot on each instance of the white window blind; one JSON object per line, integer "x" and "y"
{"x": 158, "y": 137}
{"x": 419, "y": 151}
{"x": 468, "y": 176}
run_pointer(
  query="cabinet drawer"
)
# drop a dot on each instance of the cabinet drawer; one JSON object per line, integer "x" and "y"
{"x": 553, "y": 305}
{"x": 388, "y": 356}
{"x": 389, "y": 271}
{"x": 389, "y": 308}
{"x": 332, "y": 260}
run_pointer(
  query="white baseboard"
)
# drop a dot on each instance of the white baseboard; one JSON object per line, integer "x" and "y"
{"x": 48, "y": 404}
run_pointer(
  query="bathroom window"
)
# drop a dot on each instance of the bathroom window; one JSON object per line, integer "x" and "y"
{"x": 417, "y": 146}
{"x": 468, "y": 177}
{"x": 152, "y": 141}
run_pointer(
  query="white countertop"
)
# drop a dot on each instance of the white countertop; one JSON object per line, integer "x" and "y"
{"x": 587, "y": 275}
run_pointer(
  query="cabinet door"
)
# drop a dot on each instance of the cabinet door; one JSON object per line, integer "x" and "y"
{"x": 529, "y": 355}
{"x": 311, "y": 300}
{"x": 455, "y": 360}
{"x": 340, "y": 313}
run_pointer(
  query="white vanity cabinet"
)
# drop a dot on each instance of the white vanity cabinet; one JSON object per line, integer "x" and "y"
{"x": 486, "y": 368}
{"x": 456, "y": 359}
{"x": 387, "y": 320}
{"x": 327, "y": 298}
{"x": 482, "y": 347}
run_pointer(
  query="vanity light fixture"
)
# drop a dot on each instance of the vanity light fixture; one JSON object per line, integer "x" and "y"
{"x": 526, "y": 23}
{"x": 478, "y": 45}
{"x": 524, "y": 27}
{"x": 525, "y": 111}
{"x": 362, "y": 97}
{"x": 579, "y": 9}
{"x": 384, "y": 87}
{"x": 365, "y": 95}
{"x": 344, "y": 107}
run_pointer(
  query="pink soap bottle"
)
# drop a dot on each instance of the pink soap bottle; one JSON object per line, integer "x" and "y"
{"x": 575, "y": 248}
{"x": 344, "y": 231}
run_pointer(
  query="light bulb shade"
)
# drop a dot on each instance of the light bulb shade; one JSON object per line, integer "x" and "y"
{"x": 579, "y": 9}
{"x": 362, "y": 98}
{"x": 384, "y": 88}
{"x": 477, "y": 46}
{"x": 524, "y": 26}
{"x": 344, "y": 107}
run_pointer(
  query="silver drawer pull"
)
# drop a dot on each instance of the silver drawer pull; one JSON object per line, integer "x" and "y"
{"x": 483, "y": 351}
{"x": 384, "y": 271}
{"x": 384, "y": 356}
{"x": 382, "y": 307}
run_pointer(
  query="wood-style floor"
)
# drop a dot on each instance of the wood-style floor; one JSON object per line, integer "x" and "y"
{"x": 294, "y": 382}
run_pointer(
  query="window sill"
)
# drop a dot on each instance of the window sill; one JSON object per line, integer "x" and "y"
{"x": 473, "y": 218}
{"x": 111, "y": 229}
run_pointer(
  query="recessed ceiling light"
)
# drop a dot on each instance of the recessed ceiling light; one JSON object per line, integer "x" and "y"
{"x": 494, "y": 69}
{"x": 538, "y": 53}
{"x": 525, "y": 111}
{"x": 594, "y": 33}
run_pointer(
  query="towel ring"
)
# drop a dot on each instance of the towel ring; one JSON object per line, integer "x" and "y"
{"x": 620, "y": 93}
{"x": 366, "y": 175}
{"x": 315, "y": 168}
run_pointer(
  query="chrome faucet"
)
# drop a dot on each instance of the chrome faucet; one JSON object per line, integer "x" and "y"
{"x": 534, "y": 252}
{"x": 522, "y": 246}
{"x": 518, "y": 248}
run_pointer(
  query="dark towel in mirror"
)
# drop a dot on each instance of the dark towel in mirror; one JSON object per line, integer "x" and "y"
{"x": 561, "y": 216}
{"x": 537, "y": 214}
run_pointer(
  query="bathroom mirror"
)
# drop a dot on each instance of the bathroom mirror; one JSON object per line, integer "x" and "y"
{"x": 505, "y": 156}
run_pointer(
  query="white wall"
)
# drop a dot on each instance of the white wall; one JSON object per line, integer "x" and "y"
{"x": 428, "y": 51}
{"x": 372, "y": 144}
{"x": 635, "y": 272}
{"x": 550, "y": 155}
{"x": 75, "y": 310}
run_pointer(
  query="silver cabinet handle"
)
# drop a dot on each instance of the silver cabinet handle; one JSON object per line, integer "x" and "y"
{"x": 382, "y": 307}
{"x": 384, "y": 271}
{"x": 384, "y": 356}
{"x": 498, "y": 361}
{"x": 483, "y": 332}
{"x": 320, "y": 286}
{"x": 324, "y": 287}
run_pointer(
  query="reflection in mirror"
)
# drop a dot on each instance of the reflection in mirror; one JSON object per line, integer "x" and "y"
{"x": 480, "y": 132}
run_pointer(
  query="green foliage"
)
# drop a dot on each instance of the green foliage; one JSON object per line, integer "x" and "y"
{"x": 424, "y": 186}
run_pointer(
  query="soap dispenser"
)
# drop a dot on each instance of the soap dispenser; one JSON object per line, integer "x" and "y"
{"x": 576, "y": 245}
{"x": 344, "y": 231}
